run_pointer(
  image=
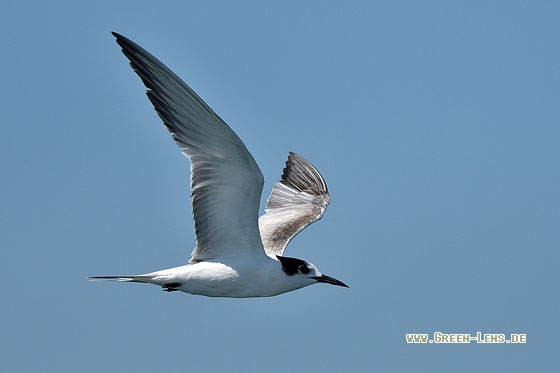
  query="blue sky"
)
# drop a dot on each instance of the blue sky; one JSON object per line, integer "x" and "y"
{"x": 435, "y": 124}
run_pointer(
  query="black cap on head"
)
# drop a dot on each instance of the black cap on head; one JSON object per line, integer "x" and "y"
{"x": 292, "y": 266}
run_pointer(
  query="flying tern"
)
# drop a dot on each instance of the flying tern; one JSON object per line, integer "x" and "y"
{"x": 237, "y": 254}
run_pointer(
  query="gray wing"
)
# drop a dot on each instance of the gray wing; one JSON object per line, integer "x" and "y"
{"x": 297, "y": 200}
{"x": 226, "y": 182}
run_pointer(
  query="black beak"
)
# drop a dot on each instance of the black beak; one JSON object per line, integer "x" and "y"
{"x": 329, "y": 280}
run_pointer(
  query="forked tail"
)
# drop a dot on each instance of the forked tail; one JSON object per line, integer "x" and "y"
{"x": 146, "y": 279}
{"x": 119, "y": 278}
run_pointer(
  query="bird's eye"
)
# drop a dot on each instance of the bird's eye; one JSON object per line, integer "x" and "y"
{"x": 303, "y": 269}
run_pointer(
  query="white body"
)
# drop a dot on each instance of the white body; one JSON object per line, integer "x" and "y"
{"x": 235, "y": 277}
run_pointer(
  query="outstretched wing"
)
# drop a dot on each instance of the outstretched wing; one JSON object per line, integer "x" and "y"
{"x": 226, "y": 182}
{"x": 297, "y": 200}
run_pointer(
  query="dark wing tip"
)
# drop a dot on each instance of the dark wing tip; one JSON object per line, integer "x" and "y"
{"x": 121, "y": 39}
{"x": 300, "y": 174}
{"x": 128, "y": 45}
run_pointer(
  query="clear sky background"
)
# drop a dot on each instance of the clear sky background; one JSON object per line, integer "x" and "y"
{"x": 435, "y": 123}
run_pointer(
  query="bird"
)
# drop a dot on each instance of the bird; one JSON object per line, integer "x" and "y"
{"x": 237, "y": 254}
